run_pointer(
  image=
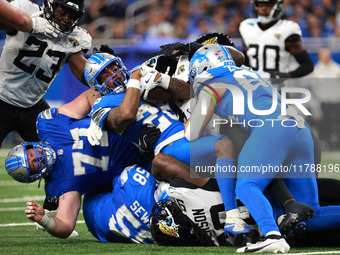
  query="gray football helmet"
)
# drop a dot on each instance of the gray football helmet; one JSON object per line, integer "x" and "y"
{"x": 208, "y": 57}
{"x": 17, "y": 165}
{"x": 96, "y": 64}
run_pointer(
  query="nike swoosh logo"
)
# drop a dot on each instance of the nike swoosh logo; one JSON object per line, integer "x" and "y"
{"x": 188, "y": 111}
{"x": 147, "y": 81}
{"x": 256, "y": 249}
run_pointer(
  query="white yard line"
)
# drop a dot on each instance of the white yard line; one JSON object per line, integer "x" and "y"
{"x": 315, "y": 252}
{"x": 21, "y": 199}
{"x": 12, "y": 209}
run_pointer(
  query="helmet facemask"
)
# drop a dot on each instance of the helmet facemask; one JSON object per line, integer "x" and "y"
{"x": 55, "y": 11}
{"x": 275, "y": 13}
{"x": 17, "y": 161}
{"x": 96, "y": 72}
{"x": 169, "y": 226}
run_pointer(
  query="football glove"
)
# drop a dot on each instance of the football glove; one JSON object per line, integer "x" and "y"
{"x": 278, "y": 77}
{"x": 103, "y": 48}
{"x": 181, "y": 48}
{"x": 149, "y": 82}
{"x": 220, "y": 38}
{"x": 147, "y": 138}
{"x": 94, "y": 134}
{"x": 41, "y": 25}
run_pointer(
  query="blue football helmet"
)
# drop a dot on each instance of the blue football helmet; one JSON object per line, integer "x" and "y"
{"x": 74, "y": 7}
{"x": 96, "y": 64}
{"x": 17, "y": 161}
{"x": 208, "y": 57}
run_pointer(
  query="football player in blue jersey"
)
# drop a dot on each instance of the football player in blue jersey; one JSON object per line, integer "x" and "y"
{"x": 68, "y": 163}
{"x": 121, "y": 213}
{"x": 125, "y": 113}
{"x": 268, "y": 144}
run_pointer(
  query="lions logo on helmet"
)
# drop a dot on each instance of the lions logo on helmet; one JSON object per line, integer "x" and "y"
{"x": 96, "y": 64}
{"x": 207, "y": 57}
{"x": 17, "y": 164}
{"x": 74, "y": 7}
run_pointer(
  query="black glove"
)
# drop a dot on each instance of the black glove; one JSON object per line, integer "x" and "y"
{"x": 182, "y": 48}
{"x": 278, "y": 77}
{"x": 148, "y": 136}
{"x": 103, "y": 48}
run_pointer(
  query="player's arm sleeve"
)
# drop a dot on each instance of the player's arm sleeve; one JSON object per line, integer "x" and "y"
{"x": 200, "y": 116}
{"x": 244, "y": 47}
{"x": 295, "y": 47}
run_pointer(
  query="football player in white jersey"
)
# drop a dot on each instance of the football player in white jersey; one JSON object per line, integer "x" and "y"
{"x": 269, "y": 42}
{"x": 31, "y": 60}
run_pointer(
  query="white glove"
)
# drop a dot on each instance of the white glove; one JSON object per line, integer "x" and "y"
{"x": 147, "y": 69}
{"x": 149, "y": 82}
{"x": 94, "y": 134}
{"x": 42, "y": 26}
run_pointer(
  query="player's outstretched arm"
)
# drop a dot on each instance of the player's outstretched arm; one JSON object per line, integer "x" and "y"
{"x": 121, "y": 117}
{"x": 77, "y": 63}
{"x": 79, "y": 107}
{"x": 65, "y": 221}
{"x": 13, "y": 18}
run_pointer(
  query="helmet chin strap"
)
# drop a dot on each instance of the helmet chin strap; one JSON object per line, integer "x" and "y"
{"x": 265, "y": 20}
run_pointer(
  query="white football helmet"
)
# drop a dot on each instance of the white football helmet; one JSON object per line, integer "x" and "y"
{"x": 17, "y": 165}
{"x": 96, "y": 64}
{"x": 208, "y": 57}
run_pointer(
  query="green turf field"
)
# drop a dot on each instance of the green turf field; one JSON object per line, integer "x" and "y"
{"x": 19, "y": 236}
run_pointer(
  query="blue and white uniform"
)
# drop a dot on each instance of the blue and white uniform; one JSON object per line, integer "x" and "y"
{"x": 271, "y": 144}
{"x": 172, "y": 140}
{"x": 122, "y": 214}
{"x": 79, "y": 166}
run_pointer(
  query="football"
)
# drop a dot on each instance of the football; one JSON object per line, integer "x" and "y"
{"x": 158, "y": 95}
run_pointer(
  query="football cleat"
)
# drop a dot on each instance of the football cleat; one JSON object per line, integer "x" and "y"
{"x": 304, "y": 211}
{"x": 295, "y": 212}
{"x": 237, "y": 227}
{"x": 298, "y": 233}
{"x": 271, "y": 244}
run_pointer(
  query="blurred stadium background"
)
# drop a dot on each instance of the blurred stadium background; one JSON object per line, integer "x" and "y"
{"x": 136, "y": 28}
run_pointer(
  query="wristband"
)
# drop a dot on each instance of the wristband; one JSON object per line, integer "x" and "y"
{"x": 47, "y": 222}
{"x": 164, "y": 81}
{"x": 133, "y": 83}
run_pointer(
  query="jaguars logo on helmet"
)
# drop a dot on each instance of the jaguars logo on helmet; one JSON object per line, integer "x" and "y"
{"x": 170, "y": 226}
